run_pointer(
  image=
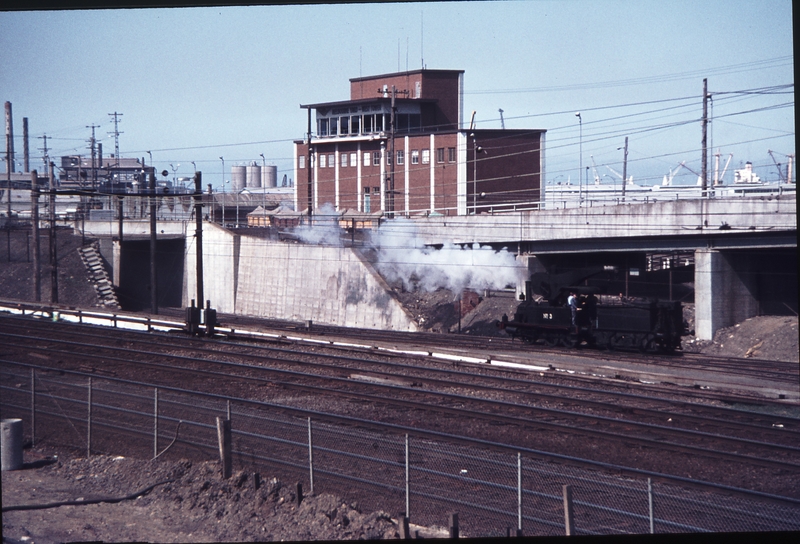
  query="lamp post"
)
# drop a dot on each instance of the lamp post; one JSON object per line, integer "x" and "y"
{"x": 580, "y": 158}
{"x": 625, "y": 168}
{"x": 223, "y": 191}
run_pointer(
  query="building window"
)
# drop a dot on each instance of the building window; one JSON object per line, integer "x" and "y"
{"x": 344, "y": 125}
{"x": 322, "y": 161}
{"x": 451, "y": 154}
{"x": 322, "y": 130}
{"x": 334, "y": 126}
{"x": 401, "y": 155}
{"x": 368, "y": 122}
{"x": 343, "y": 158}
{"x": 366, "y": 200}
{"x": 378, "y": 122}
{"x": 301, "y": 161}
{"x": 367, "y": 158}
{"x": 331, "y": 161}
{"x": 415, "y": 156}
{"x": 376, "y": 158}
{"x": 440, "y": 154}
{"x": 353, "y": 159}
{"x": 426, "y": 156}
{"x": 355, "y": 124}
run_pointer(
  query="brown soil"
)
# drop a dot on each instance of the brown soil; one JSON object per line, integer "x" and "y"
{"x": 193, "y": 504}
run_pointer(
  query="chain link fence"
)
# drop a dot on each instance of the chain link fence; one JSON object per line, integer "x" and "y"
{"x": 427, "y": 478}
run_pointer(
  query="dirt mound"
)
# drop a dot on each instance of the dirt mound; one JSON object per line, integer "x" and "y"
{"x": 192, "y": 503}
{"x": 16, "y": 269}
{"x": 764, "y": 337}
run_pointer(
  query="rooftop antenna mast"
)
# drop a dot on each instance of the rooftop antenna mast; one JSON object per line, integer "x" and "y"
{"x": 116, "y": 137}
{"x": 421, "y": 39}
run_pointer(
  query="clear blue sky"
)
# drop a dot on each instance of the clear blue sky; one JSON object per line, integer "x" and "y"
{"x": 194, "y": 84}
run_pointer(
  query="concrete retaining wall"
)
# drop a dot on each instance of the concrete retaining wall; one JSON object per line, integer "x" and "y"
{"x": 258, "y": 277}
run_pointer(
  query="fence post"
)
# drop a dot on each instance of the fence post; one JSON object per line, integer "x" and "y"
{"x": 404, "y": 531}
{"x": 519, "y": 493}
{"x": 229, "y": 410}
{"x": 454, "y": 525}
{"x": 224, "y": 439}
{"x": 408, "y": 488}
{"x": 33, "y": 407}
{"x": 650, "y": 503}
{"x": 569, "y": 520}
{"x": 310, "y": 459}
{"x": 89, "y": 423}
{"x": 155, "y": 425}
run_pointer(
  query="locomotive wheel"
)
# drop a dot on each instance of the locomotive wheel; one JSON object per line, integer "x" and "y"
{"x": 551, "y": 340}
{"x": 648, "y": 344}
{"x": 569, "y": 341}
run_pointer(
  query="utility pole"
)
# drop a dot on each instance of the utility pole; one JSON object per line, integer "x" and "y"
{"x": 94, "y": 164}
{"x": 9, "y": 167}
{"x": 308, "y": 165}
{"x": 25, "y": 156}
{"x": 704, "y": 171}
{"x": 153, "y": 278}
{"x": 53, "y": 247}
{"x": 116, "y": 136}
{"x": 392, "y": 129}
{"x": 45, "y": 157}
{"x": 392, "y": 156}
{"x": 625, "y": 169}
{"x": 198, "y": 214}
{"x": 37, "y": 287}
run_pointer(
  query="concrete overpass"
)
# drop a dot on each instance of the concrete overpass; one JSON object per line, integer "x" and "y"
{"x": 737, "y": 242}
{"x": 734, "y": 243}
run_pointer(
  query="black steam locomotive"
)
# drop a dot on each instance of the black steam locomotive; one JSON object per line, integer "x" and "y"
{"x": 616, "y": 323}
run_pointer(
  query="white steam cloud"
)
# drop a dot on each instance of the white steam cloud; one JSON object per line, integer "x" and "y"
{"x": 402, "y": 256}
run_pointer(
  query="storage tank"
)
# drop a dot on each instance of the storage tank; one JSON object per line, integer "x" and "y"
{"x": 238, "y": 178}
{"x": 269, "y": 176}
{"x": 254, "y": 175}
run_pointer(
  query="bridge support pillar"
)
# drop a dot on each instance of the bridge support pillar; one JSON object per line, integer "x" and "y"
{"x": 723, "y": 292}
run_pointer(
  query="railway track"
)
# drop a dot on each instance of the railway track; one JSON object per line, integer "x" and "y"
{"x": 490, "y": 404}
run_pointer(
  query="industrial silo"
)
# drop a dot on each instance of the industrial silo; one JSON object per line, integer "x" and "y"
{"x": 253, "y": 175}
{"x": 238, "y": 178}
{"x": 269, "y": 176}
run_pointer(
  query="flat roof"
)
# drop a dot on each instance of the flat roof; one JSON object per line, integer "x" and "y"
{"x": 407, "y": 72}
{"x": 363, "y": 101}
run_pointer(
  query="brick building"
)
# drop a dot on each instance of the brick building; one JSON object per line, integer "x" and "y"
{"x": 423, "y": 163}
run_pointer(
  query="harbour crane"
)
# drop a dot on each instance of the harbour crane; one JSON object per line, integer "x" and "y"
{"x": 789, "y": 165}
{"x": 594, "y": 169}
{"x": 719, "y": 180}
{"x": 630, "y": 178}
{"x": 668, "y": 177}
{"x": 778, "y": 165}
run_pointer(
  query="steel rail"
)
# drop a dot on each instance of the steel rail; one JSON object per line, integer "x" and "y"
{"x": 656, "y": 413}
{"x": 146, "y": 338}
{"x": 482, "y": 415}
{"x": 440, "y": 436}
